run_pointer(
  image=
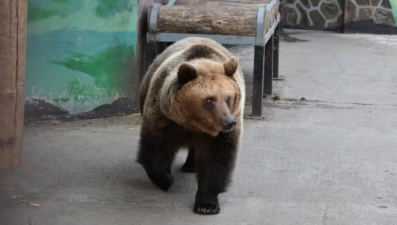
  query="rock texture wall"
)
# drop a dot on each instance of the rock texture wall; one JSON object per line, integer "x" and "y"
{"x": 370, "y": 16}
{"x": 364, "y": 16}
{"x": 316, "y": 14}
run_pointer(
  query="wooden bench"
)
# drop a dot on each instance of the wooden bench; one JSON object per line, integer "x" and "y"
{"x": 232, "y": 22}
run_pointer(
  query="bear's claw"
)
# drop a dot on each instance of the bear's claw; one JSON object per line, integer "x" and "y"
{"x": 206, "y": 209}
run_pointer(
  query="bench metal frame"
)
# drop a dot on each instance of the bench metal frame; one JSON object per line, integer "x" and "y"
{"x": 266, "y": 54}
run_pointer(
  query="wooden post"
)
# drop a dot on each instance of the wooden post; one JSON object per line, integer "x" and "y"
{"x": 12, "y": 78}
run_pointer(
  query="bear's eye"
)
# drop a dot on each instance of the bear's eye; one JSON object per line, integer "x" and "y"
{"x": 210, "y": 100}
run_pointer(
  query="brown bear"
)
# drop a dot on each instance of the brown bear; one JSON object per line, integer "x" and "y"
{"x": 192, "y": 96}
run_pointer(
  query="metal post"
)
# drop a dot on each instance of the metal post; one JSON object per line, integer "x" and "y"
{"x": 268, "y": 77}
{"x": 152, "y": 50}
{"x": 153, "y": 47}
{"x": 257, "y": 89}
{"x": 276, "y": 51}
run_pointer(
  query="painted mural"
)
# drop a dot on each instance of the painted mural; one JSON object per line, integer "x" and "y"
{"x": 80, "y": 55}
{"x": 393, "y": 4}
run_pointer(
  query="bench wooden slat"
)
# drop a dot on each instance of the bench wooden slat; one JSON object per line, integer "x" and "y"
{"x": 200, "y": 20}
{"x": 218, "y": 4}
{"x": 197, "y": 2}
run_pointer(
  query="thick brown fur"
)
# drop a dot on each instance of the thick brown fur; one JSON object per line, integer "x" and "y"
{"x": 192, "y": 96}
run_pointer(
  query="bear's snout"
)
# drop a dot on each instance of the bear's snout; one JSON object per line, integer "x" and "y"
{"x": 228, "y": 124}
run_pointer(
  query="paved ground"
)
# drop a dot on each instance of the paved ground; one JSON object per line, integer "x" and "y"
{"x": 330, "y": 159}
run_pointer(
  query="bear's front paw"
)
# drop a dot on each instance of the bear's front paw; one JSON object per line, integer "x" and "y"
{"x": 206, "y": 209}
{"x": 163, "y": 181}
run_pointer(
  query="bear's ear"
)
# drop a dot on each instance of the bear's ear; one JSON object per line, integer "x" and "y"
{"x": 186, "y": 73}
{"x": 231, "y": 66}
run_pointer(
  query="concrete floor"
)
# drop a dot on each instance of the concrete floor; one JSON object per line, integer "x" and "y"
{"x": 330, "y": 159}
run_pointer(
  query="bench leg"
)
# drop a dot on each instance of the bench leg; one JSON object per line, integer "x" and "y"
{"x": 161, "y": 46}
{"x": 276, "y": 51}
{"x": 155, "y": 48}
{"x": 152, "y": 51}
{"x": 268, "y": 81}
{"x": 257, "y": 89}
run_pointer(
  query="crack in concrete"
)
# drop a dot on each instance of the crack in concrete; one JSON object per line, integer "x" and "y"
{"x": 323, "y": 104}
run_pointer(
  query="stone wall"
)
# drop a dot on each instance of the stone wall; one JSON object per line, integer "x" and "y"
{"x": 366, "y": 16}
{"x": 370, "y": 16}
{"x": 315, "y": 14}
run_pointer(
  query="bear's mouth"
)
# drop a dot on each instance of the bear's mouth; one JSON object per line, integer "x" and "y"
{"x": 228, "y": 124}
{"x": 226, "y": 128}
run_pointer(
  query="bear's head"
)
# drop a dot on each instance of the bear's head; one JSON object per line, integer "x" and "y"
{"x": 207, "y": 97}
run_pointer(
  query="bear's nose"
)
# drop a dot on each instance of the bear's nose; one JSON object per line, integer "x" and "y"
{"x": 229, "y": 124}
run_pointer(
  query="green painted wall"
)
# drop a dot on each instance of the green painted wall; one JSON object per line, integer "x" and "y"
{"x": 80, "y": 54}
{"x": 394, "y": 9}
